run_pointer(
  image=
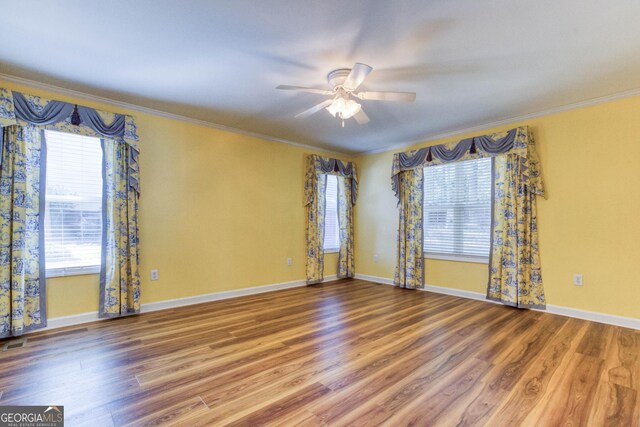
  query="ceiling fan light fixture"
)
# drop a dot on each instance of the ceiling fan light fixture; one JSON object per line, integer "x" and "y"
{"x": 344, "y": 108}
{"x": 344, "y": 83}
{"x": 336, "y": 106}
{"x": 350, "y": 109}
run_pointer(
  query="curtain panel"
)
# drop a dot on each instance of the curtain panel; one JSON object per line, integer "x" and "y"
{"x": 317, "y": 169}
{"x": 119, "y": 275}
{"x": 315, "y": 232}
{"x": 515, "y": 276}
{"x": 514, "y": 266}
{"x": 23, "y": 119}
{"x": 22, "y": 274}
{"x": 346, "y": 261}
{"x": 409, "y": 271}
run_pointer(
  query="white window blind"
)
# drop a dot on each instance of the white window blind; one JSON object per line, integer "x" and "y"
{"x": 457, "y": 209}
{"x": 73, "y": 212}
{"x": 331, "y": 227}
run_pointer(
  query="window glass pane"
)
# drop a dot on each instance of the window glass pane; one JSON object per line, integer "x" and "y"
{"x": 457, "y": 208}
{"x": 73, "y": 211}
{"x": 331, "y": 227}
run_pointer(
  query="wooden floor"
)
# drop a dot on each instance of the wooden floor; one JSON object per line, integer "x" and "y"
{"x": 345, "y": 353}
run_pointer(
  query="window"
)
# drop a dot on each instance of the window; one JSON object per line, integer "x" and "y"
{"x": 73, "y": 211}
{"x": 457, "y": 210}
{"x": 331, "y": 226}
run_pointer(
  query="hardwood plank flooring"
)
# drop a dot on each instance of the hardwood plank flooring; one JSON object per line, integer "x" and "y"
{"x": 347, "y": 353}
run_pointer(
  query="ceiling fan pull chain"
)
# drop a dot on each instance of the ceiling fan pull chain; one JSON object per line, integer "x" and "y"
{"x": 343, "y": 123}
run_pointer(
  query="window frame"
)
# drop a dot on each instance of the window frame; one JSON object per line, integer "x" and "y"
{"x": 460, "y": 257}
{"x": 76, "y": 270}
{"x": 72, "y": 271}
{"x": 332, "y": 250}
{"x": 457, "y": 258}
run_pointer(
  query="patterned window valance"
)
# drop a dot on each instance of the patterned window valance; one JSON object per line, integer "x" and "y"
{"x": 319, "y": 165}
{"x": 19, "y": 108}
{"x": 517, "y": 141}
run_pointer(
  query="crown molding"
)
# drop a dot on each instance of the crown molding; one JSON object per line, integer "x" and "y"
{"x": 434, "y": 137}
{"x": 349, "y": 155}
{"x": 133, "y": 107}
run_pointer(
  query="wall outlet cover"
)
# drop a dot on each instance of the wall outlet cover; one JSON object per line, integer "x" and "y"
{"x": 578, "y": 280}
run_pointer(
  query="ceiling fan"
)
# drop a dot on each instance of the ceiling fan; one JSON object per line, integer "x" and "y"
{"x": 344, "y": 82}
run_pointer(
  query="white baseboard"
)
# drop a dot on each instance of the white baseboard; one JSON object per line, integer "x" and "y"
{"x": 74, "y": 319}
{"x": 458, "y": 293}
{"x": 609, "y": 319}
{"x": 77, "y": 319}
{"x": 374, "y": 279}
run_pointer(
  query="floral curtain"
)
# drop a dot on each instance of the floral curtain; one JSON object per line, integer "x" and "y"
{"x": 514, "y": 270}
{"x": 409, "y": 271}
{"x": 24, "y": 118}
{"x": 346, "y": 260}
{"x": 315, "y": 232}
{"x": 317, "y": 169}
{"x": 119, "y": 276}
{"x": 22, "y": 274}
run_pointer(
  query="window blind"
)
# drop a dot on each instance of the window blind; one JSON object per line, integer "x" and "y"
{"x": 73, "y": 211}
{"x": 331, "y": 225}
{"x": 457, "y": 209}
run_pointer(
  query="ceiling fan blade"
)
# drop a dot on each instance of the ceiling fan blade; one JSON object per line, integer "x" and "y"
{"x": 315, "y": 108}
{"x": 305, "y": 89}
{"x": 361, "y": 117}
{"x": 358, "y": 73}
{"x": 387, "y": 96}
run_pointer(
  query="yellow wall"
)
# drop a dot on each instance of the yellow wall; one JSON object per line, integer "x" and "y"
{"x": 589, "y": 224}
{"x": 222, "y": 211}
{"x": 218, "y": 211}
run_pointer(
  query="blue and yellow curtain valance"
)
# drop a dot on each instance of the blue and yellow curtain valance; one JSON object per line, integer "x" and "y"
{"x": 514, "y": 267}
{"x": 23, "y": 120}
{"x": 323, "y": 165}
{"x": 518, "y": 141}
{"x": 22, "y": 109}
{"x": 317, "y": 169}
{"x": 16, "y": 107}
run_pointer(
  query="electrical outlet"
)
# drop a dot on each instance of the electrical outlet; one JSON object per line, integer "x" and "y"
{"x": 289, "y": 262}
{"x": 154, "y": 274}
{"x": 376, "y": 258}
{"x": 577, "y": 280}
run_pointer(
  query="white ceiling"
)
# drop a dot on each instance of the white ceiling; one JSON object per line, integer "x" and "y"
{"x": 470, "y": 62}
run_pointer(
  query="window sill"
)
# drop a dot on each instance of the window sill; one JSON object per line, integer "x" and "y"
{"x": 72, "y": 271}
{"x": 458, "y": 258}
{"x": 332, "y": 251}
